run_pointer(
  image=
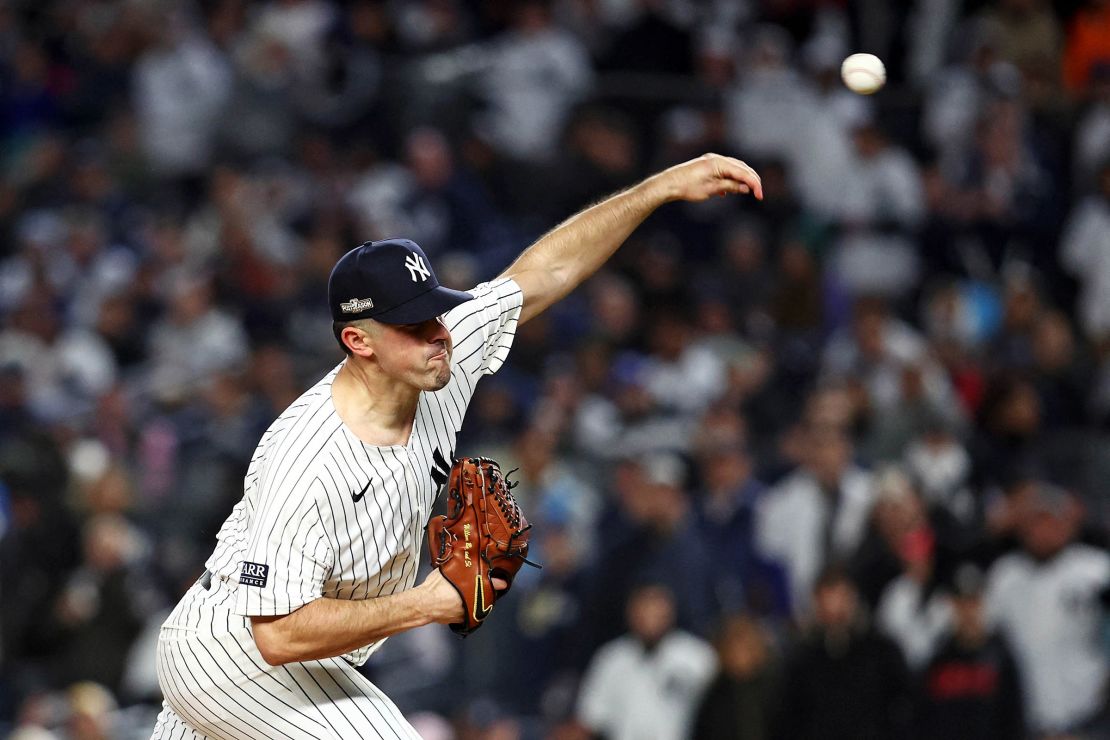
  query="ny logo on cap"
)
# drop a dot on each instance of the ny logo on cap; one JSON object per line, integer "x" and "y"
{"x": 356, "y": 305}
{"x": 416, "y": 266}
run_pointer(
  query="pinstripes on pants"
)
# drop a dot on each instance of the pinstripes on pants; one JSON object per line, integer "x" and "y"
{"x": 217, "y": 685}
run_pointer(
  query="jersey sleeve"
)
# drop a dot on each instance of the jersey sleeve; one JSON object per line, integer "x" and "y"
{"x": 288, "y": 555}
{"x": 482, "y": 330}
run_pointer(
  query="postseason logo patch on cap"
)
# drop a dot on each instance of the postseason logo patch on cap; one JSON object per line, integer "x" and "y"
{"x": 356, "y": 305}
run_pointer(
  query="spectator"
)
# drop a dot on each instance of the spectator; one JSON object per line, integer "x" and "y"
{"x": 657, "y": 539}
{"x": 260, "y": 117}
{"x": 957, "y": 96}
{"x": 446, "y": 208}
{"x": 1045, "y": 600}
{"x": 341, "y": 84}
{"x": 536, "y": 73}
{"x": 1009, "y": 430}
{"x": 1092, "y": 133}
{"x": 181, "y": 83}
{"x": 1088, "y": 44}
{"x": 726, "y": 509}
{"x": 1062, "y": 375}
{"x": 874, "y": 255}
{"x": 739, "y": 703}
{"x": 1009, "y": 183}
{"x": 196, "y": 338}
{"x": 1027, "y": 32}
{"x": 876, "y": 350}
{"x": 549, "y": 616}
{"x": 911, "y": 610}
{"x": 746, "y": 280}
{"x": 648, "y": 682}
{"x": 103, "y": 604}
{"x": 1085, "y": 252}
{"x": 817, "y": 515}
{"x": 550, "y": 483}
{"x": 768, "y": 106}
{"x": 889, "y": 183}
{"x": 64, "y": 365}
{"x": 971, "y": 687}
{"x": 683, "y": 378}
{"x": 844, "y": 680}
{"x": 941, "y": 466}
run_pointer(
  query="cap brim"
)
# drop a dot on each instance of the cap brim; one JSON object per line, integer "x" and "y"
{"x": 429, "y": 305}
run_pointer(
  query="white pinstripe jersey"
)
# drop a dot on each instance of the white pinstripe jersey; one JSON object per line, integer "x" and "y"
{"x": 324, "y": 514}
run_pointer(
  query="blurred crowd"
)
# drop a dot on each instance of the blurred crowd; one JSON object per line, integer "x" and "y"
{"x": 830, "y": 465}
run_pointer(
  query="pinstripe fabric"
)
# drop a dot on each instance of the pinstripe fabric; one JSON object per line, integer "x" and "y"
{"x": 322, "y": 515}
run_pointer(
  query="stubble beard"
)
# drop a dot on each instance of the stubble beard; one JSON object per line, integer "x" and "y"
{"x": 442, "y": 377}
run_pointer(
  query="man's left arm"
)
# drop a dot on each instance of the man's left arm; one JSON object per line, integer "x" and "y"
{"x": 571, "y": 252}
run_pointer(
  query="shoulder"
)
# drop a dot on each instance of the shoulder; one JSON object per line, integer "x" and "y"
{"x": 310, "y": 419}
{"x": 794, "y": 489}
{"x": 885, "y": 647}
{"x": 501, "y": 291}
{"x": 858, "y": 483}
{"x": 309, "y": 405}
{"x": 1089, "y": 560}
{"x": 1007, "y": 571}
{"x": 615, "y": 651}
{"x": 690, "y": 647}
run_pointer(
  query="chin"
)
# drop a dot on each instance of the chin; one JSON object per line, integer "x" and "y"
{"x": 440, "y": 379}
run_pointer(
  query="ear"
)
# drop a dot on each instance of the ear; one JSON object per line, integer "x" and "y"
{"x": 357, "y": 340}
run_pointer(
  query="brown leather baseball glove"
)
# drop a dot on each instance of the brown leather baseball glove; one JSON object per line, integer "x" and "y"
{"x": 484, "y": 535}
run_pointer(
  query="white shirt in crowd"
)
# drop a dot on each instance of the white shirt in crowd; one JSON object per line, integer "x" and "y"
{"x": 915, "y": 623}
{"x": 1050, "y": 613}
{"x": 630, "y": 694}
{"x": 532, "y": 82}
{"x": 1085, "y": 251}
{"x": 791, "y": 521}
{"x": 179, "y": 90}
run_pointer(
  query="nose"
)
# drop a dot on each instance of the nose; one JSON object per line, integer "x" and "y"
{"x": 436, "y": 330}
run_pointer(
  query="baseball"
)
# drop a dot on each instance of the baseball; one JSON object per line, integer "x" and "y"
{"x": 863, "y": 73}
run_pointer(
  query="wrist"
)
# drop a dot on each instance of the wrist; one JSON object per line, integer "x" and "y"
{"x": 423, "y": 609}
{"x": 658, "y": 189}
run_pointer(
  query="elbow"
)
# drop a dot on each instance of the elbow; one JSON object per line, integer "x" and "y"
{"x": 274, "y": 648}
{"x": 274, "y": 656}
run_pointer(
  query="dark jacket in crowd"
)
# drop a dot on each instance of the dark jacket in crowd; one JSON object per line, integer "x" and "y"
{"x": 855, "y": 688}
{"x": 971, "y": 692}
{"x": 736, "y": 709}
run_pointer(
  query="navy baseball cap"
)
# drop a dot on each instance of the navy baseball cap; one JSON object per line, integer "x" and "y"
{"x": 388, "y": 281}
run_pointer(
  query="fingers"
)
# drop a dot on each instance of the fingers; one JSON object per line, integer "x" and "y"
{"x": 499, "y": 584}
{"x": 741, "y": 177}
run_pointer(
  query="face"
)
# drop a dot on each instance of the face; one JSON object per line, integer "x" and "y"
{"x": 829, "y": 454}
{"x": 1044, "y": 534}
{"x": 968, "y": 613}
{"x": 651, "y": 613}
{"x": 836, "y": 605}
{"x": 418, "y": 354}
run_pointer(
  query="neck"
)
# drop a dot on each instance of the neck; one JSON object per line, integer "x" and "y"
{"x": 379, "y": 409}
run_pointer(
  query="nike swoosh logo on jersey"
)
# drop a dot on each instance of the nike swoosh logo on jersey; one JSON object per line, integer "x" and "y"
{"x": 358, "y": 496}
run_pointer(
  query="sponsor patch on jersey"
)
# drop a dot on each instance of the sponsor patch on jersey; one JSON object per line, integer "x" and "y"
{"x": 254, "y": 574}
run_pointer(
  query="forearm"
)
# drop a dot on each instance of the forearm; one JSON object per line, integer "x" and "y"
{"x": 328, "y": 627}
{"x": 576, "y": 248}
{"x": 559, "y": 261}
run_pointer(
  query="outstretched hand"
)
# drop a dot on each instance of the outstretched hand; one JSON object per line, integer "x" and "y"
{"x": 709, "y": 175}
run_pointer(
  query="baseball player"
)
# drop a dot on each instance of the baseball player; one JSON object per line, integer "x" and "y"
{"x": 317, "y": 564}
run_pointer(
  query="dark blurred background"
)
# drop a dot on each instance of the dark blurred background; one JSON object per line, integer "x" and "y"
{"x": 831, "y": 465}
